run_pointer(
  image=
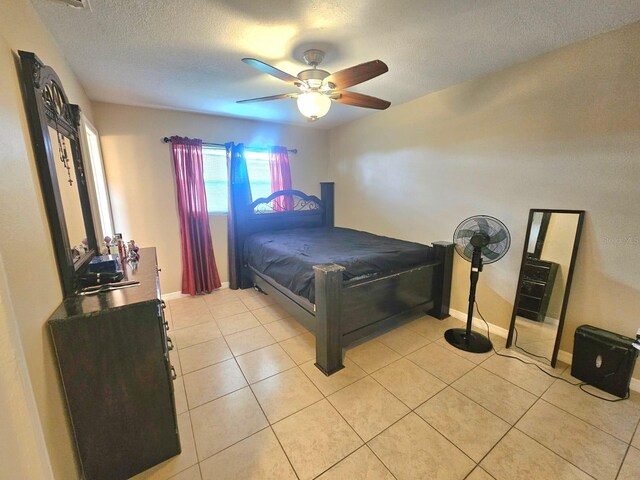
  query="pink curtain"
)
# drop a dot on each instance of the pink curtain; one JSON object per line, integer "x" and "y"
{"x": 280, "y": 177}
{"x": 199, "y": 271}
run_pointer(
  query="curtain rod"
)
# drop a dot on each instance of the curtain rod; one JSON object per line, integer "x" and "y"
{"x": 168, "y": 140}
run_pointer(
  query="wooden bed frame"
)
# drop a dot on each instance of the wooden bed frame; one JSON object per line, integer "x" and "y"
{"x": 344, "y": 311}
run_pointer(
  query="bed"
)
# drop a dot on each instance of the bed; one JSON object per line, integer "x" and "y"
{"x": 339, "y": 283}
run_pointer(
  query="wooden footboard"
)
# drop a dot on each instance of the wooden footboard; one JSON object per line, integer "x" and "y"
{"x": 348, "y": 311}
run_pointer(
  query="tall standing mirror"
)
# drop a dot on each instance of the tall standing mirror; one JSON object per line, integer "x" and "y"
{"x": 53, "y": 125}
{"x": 544, "y": 283}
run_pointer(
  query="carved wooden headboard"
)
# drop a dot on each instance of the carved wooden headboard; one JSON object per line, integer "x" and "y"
{"x": 266, "y": 214}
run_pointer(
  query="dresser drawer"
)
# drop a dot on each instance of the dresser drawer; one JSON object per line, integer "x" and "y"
{"x": 532, "y": 289}
{"x": 536, "y": 272}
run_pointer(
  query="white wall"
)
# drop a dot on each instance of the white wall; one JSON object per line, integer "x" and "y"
{"x": 560, "y": 131}
{"x": 33, "y": 285}
{"x": 141, "y": 179}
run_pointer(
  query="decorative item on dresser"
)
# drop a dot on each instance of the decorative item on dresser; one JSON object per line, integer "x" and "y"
{"x": 112, "y": 350}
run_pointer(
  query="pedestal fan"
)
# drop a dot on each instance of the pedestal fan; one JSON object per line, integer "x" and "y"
{"x": 480, "y": 240}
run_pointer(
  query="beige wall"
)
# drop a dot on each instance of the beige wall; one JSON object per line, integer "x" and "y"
{"x": 142, "y": 183}
{"x": 559, "y": 131}
{"x": 33, "y": 285}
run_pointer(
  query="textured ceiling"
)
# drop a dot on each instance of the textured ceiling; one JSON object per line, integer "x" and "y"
{"x": 185, "y": 55}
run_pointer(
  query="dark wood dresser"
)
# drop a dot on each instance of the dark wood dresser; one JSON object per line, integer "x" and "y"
{"x": 536, "y": 288}
{"x": 113, "y": 356}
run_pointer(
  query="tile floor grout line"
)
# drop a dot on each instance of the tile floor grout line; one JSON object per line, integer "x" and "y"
{"x": 585, "y": 421}
{"x": 185, "y": 387}
{"x": 582, "y": 419}
{"x": 297, "y": 411}
{"x": 487, "y": 409}
{"x": 629, "y": 447}
{"x": 513, "y": 383}
{"x": 193, "y": 438}
{"x": 376, "y": 436}
{"x": 451, "y": 441}
{"x": 540, "y": 399}
{"x": 555, "y": 453}
{"x": 233, "y": 444}
{"x": 386, "y": 389}
{"x": 341, "y": 388}
{"x": 501, "y": 378}
{"x": 283, "y": 450}
{"x": 364, "y": 443}
{"x": 413, "y": 410}
{"x": 624, "y": 457}
{"x": 270, "y": 426}
{"x": 478, "y": 467}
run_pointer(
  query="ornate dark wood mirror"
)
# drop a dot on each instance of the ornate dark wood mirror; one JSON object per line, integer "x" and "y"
{"x": 542, "y": 297}
{"x": 53, "y": 125}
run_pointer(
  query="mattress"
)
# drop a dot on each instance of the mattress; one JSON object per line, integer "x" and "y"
{"x": 288, "y": 256}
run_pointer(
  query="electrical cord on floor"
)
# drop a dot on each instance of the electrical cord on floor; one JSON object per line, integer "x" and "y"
{"x": 579, "y": 385}
{"x": 515, "y": 344}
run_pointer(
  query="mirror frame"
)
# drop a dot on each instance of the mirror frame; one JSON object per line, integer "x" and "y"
{"x": 567, "y": 290}
{"x": 47, "y": 106}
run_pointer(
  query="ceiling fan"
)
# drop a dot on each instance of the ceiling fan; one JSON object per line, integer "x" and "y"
{"x": 318, "y": 88}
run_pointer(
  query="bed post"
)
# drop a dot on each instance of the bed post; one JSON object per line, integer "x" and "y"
{"x": 326, "y": 195}
{"x": 442, "y": 280}
{"x": 328, "y": 317}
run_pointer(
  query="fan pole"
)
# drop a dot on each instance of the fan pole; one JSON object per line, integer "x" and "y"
{"x": 466, "y": 339}
{"x": 476, "y": 268}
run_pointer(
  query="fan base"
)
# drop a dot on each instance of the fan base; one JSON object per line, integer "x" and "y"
{"x": 475, "y": 342}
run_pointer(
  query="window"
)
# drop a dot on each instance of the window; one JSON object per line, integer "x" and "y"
{"x": 215, "y": 176}
{"x": 101, "y": 207}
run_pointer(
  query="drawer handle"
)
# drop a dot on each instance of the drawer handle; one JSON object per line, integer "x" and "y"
{"x": 166, "y": 325}
{"x": 174, "y": 375}
{"x": 169, "y": 343}
{"x": 163, "y": 303}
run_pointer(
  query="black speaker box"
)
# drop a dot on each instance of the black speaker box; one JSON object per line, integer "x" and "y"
{"x": 603, "y": 359}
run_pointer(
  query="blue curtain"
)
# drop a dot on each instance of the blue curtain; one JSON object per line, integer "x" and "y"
{"x": 239, "y": 198}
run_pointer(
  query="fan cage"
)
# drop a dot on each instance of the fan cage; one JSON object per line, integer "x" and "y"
{"x": 487, "y": 225}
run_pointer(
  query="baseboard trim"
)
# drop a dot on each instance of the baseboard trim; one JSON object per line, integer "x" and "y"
{"x": 477, "y": 322}
{"x": 563, "y": 356}
{"x": 175, "y": 295}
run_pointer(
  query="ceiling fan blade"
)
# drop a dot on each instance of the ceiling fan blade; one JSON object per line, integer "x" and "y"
{"x": 354, "y": 75}
{"x": 273, "y": 71}
{"x": 360, "y": 100}
{"x": 272, "y": 97}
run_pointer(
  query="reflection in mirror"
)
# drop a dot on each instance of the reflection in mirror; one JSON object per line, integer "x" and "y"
{"x": 69, "y": 194}
{"x": 544, "y": 282}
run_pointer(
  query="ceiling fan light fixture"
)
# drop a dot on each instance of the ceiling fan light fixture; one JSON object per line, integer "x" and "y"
{"x": 313, "y": 105}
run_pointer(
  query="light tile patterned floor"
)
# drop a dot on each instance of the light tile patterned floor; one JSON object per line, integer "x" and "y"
{"x": 252, "y": 405}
